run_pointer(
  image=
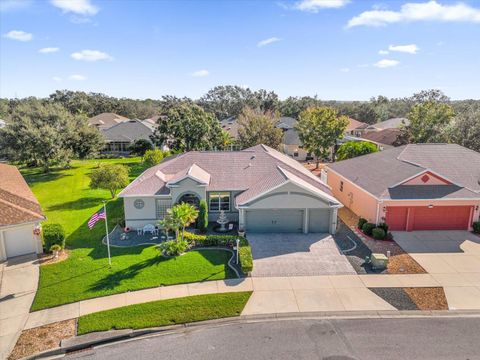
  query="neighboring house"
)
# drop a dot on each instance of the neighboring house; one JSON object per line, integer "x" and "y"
{"x": 119, "y": 137}
{"x": 394, "y": 123}
{"x": 260, "y": 188}
{"x": 292, "y": 146}
{"x": 20, "y": 215}
{"x": 385, "y": 139}
{"x": 412, "y": 187}
{"x": 355, "y": 127}
{"x": 106, "y": 120}
{"x": 230, "y": 125}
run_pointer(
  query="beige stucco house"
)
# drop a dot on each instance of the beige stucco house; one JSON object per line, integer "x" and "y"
{"x": 20, "y": 215}
{"x": 259, "y": 188}
{"x": 412, "y": 187}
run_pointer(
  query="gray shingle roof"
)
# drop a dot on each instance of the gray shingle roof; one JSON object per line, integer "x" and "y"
{"x": 394, "y": 123}
{"x": 128, "y": 131}
{"x": 386, "y": 136}
{"x": 253, "y": 171}
{"x": 290, "y": 137}
{"x": 378, "y": 172}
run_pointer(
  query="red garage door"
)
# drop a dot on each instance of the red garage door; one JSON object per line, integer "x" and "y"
{"x": 424, "y": 218}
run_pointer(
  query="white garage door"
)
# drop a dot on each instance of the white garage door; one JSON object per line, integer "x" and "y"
{"x": 275, "y": 221}
{"x": 319, "y": 220}
{"x": 19, "y": 241}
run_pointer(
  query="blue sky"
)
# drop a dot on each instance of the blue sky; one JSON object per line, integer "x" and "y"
{"x": 336, "y": 49}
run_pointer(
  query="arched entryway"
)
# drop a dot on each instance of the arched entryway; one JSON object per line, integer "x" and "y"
{"x": 189, "y": 198}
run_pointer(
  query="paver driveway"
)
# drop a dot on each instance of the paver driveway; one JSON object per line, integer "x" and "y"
{"x": 297, "y": 255}
{"x": 452, "y": 258}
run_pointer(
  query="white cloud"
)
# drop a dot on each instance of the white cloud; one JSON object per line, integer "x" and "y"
{"x": 409, "y": 49}
{"x": 12, "y": 5}
{"x": 316, "y": 5}
{"x": 345, "y": 69}
{"x": 57, "y": 78}
{"x": 77, "y": 77}
{"x": 386, "y": 63}
{"x": 268, "y": 41}
{"x": 427, "y": 11}
{"x": 383, "y": 52}
{"x": 19, "y": 35}
{"x": 200, "y": 73}
{"x": 81, "y": 7}
{"x": 91, "y": 55}
{"x": 48, "y": 50}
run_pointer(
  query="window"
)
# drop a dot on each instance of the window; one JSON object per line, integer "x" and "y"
{"x": 341, "y": 185}
{"x": 219, "y": 201}
{"x": 162, "y": 207}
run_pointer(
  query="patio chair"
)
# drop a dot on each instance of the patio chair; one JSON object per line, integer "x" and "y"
{"x": 139, "y": 231}
{"x": 149, "y": 228}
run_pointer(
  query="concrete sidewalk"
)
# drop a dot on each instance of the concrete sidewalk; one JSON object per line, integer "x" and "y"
{"x": 18, "y": 284}
{"x": 271, "y": 295}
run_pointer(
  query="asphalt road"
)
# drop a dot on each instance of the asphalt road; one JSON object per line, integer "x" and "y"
{"x": 421, "y": 338}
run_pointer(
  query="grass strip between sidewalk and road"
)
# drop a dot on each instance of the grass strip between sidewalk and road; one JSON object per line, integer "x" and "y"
{"x": 165, "y": 312}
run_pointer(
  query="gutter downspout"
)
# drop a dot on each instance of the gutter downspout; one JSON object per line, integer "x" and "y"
{"x": 378, "y": 211}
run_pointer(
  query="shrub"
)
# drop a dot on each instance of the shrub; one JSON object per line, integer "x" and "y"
{"x": 245, "y": 256}
{"x": 153, "y": 157}
{"x": 367, "y": 228}
{"x": 361, "y": 222}
{"x": 55, "y": 247}
{"x": 140, "y": 146}
{"x": 53, "y": 234}
{"x": 202, "y": 220}
{"x": 378, "y": 233}
{"x": 383, "y": 226}
{"x": 174, "y": 247}
{"x": 476, "y": 227}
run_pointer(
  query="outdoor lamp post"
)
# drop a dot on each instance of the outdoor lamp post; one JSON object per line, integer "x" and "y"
{"x": 238, "y": 243}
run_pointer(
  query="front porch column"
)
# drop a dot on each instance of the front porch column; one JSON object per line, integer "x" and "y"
{"x": 333, "y": 220}
{"x": 241, "y": 219}
{"x": 305, "y": 221}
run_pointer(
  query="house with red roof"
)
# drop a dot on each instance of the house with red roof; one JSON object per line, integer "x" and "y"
{"x": 20, "y": 215}
{"x": 259, "y": 188}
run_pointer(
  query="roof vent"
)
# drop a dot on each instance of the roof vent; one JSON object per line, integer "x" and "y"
{"x": 253, "y": 157}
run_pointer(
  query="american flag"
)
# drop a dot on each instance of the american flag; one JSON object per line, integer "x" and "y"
{"x": 100, "y": 214}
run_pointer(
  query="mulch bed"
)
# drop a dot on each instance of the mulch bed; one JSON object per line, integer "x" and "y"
{"x": 428, "y": 298}
{"x": 42, "y": 338}
{"x": 413, "y": 298}
{"x": 46, "y": 259}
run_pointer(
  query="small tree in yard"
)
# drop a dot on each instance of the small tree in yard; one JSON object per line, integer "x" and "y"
{"x": 179, "y": 217}
{"x": 353, "y": 149}
{"x": 318, "y": 129}
{"x": 111, "y": 177}
{"x": 256, "y": 127}
{"x": 140, "y": 146}
{"x": 202, "y": 216}
{"x": 153, "y": 157}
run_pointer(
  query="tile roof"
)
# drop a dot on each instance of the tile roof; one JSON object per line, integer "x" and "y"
{"x": 106, "y": 120}
{"x": 252, "y": 171}
{"x": 386, "y": 136}
{"x": 378, "y": 172}
{"x": 394, "y": 123}
{"x": 17, "y": 203}
{"x": 355, "y": 124}
{"x": 128, "y": 131}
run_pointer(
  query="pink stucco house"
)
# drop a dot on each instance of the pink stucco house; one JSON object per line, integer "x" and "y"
{"x": 412, "y": 187}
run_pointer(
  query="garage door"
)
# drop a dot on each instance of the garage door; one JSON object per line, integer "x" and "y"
{"x": 19, "y": 242}
{"x": 319, "y": 220}
{"x": 424, "y": 218}
{"x": 275, "y": 221}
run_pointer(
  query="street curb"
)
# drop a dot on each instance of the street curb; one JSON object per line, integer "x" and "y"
{"x": 106, "y": 337}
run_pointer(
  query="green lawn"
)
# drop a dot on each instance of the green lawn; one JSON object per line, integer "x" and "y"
{"x": 165, "y": 312}
{"x": 66, "y": 198}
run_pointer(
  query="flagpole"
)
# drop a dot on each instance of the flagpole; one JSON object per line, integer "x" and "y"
{"x": 106, "y": 230}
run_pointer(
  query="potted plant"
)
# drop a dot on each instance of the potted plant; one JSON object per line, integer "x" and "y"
{"x": 55, "y": 249}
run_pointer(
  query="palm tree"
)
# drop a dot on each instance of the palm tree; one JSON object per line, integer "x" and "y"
{"x": 179, "y": 217}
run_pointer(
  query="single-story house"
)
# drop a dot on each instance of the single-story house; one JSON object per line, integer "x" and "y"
{"x": 119, "y": 137}
{"x": 106, "y": 120}
{"x": 355, "y": 127}
{"x": 20, "y": 215}
{"x": 393, "y": 123}
{"x": 260, "y": 188}
{"x": 411, "y": 187}
{"x": 385, "y": 139}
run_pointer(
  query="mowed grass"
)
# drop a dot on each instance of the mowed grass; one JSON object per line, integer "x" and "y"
{"x": 165, "y": 312}
{"x": 66, "y": 198}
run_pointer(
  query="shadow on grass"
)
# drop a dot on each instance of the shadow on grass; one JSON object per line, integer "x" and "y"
{"x": 33, "y": 176}
{"x": 80, "y": 204}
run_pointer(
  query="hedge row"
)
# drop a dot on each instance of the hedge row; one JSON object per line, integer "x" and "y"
{"x": 244, "y": 254}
